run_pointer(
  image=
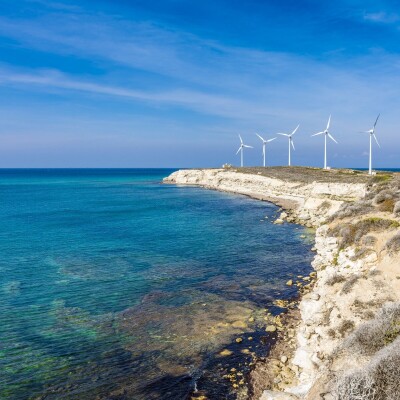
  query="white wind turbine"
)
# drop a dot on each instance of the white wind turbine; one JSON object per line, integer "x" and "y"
{"x": 264, "y": 144}
{"x": 289, "y": 136}
{"x": 326, "y": 134}
{"x": 242, "y": 146}
{"x": 372, "y": 133}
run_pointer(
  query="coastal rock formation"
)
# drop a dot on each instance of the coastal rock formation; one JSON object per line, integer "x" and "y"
{"x": 346, "y": 344}
{"x": 312, "y": 201}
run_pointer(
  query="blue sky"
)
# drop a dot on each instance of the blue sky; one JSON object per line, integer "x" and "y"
{"x": 172, "y": 83}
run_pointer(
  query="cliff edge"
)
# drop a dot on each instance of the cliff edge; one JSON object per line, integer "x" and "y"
{"x": 347, "y": 343}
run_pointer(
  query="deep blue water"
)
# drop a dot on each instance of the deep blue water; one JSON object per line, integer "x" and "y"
{"x": 115, "y": 286}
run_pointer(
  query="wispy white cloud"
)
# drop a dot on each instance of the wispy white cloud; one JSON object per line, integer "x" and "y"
{"x": 229, "y": 88}
{"x": 382, "y": 17}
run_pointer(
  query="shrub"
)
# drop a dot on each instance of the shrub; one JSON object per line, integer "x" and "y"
{"x": 348, "y": 286}
{"x": 393, "y": 244}
{"x": 376, "y": 334}
{"x": 360, "y": 253}
{"x": 387, "y": 205}
{"x": 353, "y": 209}
{"x": 369, "y": 240}
{"x": 379, "y": 380}
{"x": 382, "y": 196}
{"x": 336, "y": 278}
{"x": 352, "y": 233}
{"x": 396, "y": 208}
{"x": 345, "y": 327}
{"x": 325, "y": 205}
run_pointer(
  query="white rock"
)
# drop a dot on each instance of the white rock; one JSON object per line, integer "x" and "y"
{"x": 271, "y": 395}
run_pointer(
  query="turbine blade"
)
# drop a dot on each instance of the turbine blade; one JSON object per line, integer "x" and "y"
{"x": 240, "y": 148}
{"x": 329, "y": 122}
{"x": 241, "y": 141}
{"x": 283, "y": 134}
{"x": 376, "y": 140}
{"x": 260, "y": 137}
{"x": 250, "y": 147}
{"x": 319, "y": 133}
{"x": 364, "y": 131}
{"x": 332, "y": 137}
{"x": 295, "y": 130}
{"x": 292, "y": 144}
{"x": 376, "y": 120}
{"x": 270, "y": 140}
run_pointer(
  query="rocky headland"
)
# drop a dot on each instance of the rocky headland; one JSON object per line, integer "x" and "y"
{"x": 342, "y": 340}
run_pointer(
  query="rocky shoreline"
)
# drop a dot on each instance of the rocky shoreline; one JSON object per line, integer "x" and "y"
{"x": 354, "y": 276}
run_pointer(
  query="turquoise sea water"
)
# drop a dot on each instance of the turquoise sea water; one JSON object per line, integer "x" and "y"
{"x": 114, "y": 286}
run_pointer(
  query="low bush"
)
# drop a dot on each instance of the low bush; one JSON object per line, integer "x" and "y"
{"x": 336, "y": 278}
{"x": 325, "y": 205}
{"x": 396, "y": 208}
{"x": 352, "y": 233}
{"x": 379, "y": 380}
{"x": 345, "y": 327}
{"x": 386, "y": 205}
{"x": 369, "y": 241}
{"x": 393, "y": 244}
{"x": 383, "y": 196}
{"x": 378, "y": 333}
{"x": 353, "y": 209}
{"x": 348, "y": 286}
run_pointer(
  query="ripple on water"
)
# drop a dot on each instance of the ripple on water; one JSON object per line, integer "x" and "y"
{"x": 115, "y": 287}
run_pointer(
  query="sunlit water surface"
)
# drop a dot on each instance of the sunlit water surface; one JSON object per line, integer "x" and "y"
{"x": 115, "y": 286}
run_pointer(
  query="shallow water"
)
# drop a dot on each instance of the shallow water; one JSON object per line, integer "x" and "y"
{"x": 115, "y": 286}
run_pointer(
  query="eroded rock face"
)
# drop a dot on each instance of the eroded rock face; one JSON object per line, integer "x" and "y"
{"x": 311, "y": 202}
{"x": 349, "y": 286}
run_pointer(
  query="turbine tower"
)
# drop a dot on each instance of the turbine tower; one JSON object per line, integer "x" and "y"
{"x": 289, "y": 136}
{"x": 242, "y": 146}
{"x": 326, "y": 134}
{"x": 264, "y": 144}
{"x": 372, "y": 133}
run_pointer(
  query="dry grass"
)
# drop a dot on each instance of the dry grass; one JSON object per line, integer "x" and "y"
{"x": 387, "y": 205}
{"x": 309, "y": 174}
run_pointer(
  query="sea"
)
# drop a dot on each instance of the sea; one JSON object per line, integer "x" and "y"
{"x": 116, "y": 286}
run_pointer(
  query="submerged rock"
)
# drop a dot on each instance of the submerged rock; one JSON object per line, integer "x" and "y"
{"x": 270, "y": 328}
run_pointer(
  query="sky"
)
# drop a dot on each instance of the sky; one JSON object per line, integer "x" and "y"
{"x": 171, "y": 83}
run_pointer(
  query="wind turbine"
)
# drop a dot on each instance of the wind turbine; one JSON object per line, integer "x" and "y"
{"x": 326, "y": 134}
{"x": 372, "y": 133}
{"x": 242, "y": 145}
{"x": 264, "y": 144}
{"x": 289, "y": 136}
